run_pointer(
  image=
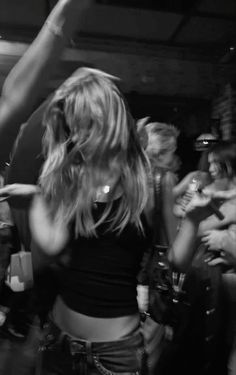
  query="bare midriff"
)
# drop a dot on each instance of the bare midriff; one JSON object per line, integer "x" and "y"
{"x": 92, "y": 328}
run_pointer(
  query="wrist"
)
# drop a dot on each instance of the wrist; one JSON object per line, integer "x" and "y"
{"x": 64, "y": 18}
{"x": 192, "y": 219}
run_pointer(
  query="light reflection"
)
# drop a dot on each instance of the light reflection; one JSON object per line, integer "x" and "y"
{"x": 12, "y": 48}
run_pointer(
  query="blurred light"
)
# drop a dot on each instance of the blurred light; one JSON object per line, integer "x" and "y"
{"x": 204, "y": 141}
{"x": 231, "y": 48}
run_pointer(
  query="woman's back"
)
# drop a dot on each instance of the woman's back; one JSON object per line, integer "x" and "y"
{"x": 100, "y": 277}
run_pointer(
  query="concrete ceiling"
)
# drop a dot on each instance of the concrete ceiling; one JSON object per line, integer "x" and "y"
{"x": 172, "y": 48}
{"x": 207, "y": 26}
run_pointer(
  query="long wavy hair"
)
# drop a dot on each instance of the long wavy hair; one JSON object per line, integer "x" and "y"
{"x": 90, "y": 134}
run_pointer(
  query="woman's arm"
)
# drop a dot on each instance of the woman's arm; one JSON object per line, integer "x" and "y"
{"x": 183, "y": 249}
{"x": 18, "y": 190}
{"x": 171, "y": 221}
{"x": 228, "y": 209}
{"x": 24, "y": 84}
{"x": 51, "y": 235}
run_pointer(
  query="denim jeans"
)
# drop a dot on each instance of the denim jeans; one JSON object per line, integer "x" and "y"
{"x": 60, "y": 354}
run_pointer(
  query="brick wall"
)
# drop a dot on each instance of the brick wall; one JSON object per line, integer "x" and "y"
{"x": 224, "y": 110}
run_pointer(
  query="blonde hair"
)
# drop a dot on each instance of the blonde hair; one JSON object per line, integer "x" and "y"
{"x": 165, "y": 131}
{"x": 167, "y": 135}
{"x": 90, "y": 132}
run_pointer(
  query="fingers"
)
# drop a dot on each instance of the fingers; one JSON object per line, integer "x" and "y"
{"x": 217, "y": 261}
{"x": 4, "y": 190}
{"x": 228, "y": 194}
{"x": 211, "y": 243}
{"x": 207, "y": 236}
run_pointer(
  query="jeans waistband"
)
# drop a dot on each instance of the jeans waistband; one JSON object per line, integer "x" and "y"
{"x": 127, "y": 354}
{"x": 82, "y": 346}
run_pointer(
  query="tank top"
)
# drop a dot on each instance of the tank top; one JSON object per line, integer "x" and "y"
{"x": 100, "y": 277}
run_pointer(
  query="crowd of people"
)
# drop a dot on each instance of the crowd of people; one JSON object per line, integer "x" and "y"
{"x": 93, "y": 196}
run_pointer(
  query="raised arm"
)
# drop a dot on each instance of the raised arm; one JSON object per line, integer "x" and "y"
{"x": 25, "y": 82}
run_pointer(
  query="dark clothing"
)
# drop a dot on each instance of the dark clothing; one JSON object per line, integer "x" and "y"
{"x": 100, "y": 278}
{"x": 25, "y": 165}
{"x": 61, "y": 354}
{"x": 198, "y": 345}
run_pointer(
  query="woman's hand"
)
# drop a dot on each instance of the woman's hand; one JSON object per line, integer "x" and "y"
{"x": 221, "y": 243}
{"x": 18, "y": 190}
{"x": 199, "y": 208}
{"x": 213, "y": 239}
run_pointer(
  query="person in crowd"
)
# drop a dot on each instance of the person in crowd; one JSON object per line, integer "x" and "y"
{"x": 161, "y": 147}
{"x": 160, "y": 143}
{"x": 189, "y": 335}
{"x": 184, "y": 190}
{"x": 222, "y": 169}
{"x": 93, "y": 193}
{"x": 221, "y": 242}
{"x": 65, "y": 323}
{"x": 210, "y": 232}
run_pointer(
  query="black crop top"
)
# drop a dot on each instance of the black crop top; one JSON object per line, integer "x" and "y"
{"x": 101, "y": 276}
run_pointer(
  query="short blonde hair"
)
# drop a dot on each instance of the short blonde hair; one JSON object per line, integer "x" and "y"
{"x": 168, "y": 135}
{"x": 162, "y": 129}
